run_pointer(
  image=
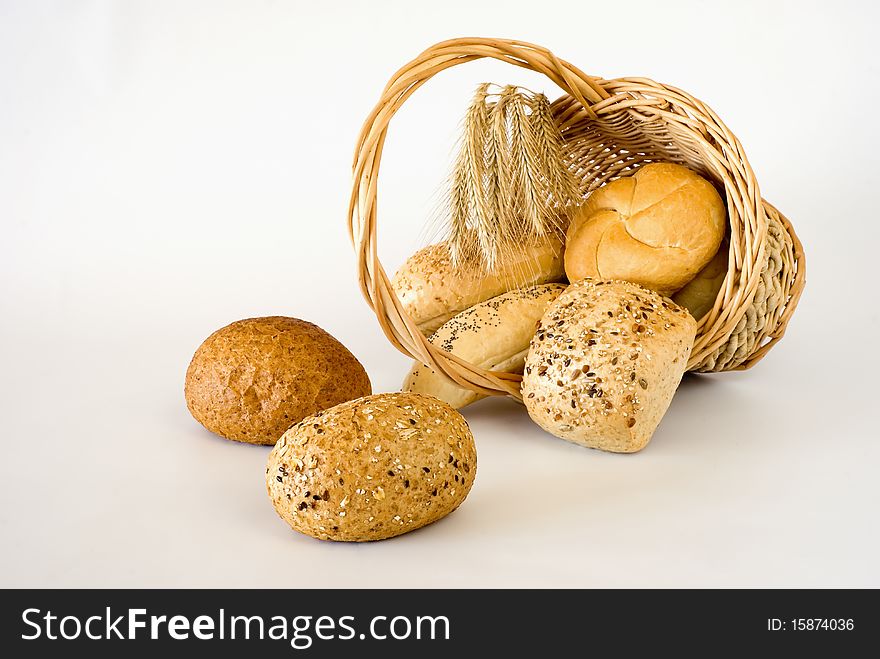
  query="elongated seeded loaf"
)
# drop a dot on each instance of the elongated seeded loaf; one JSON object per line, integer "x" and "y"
{"x": 493, "y": 335}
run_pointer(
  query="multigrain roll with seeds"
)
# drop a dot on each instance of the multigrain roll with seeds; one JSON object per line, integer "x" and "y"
{"x": 372, "y": 468}
{"x": 432, "y": 290}
{"x": 493, "y": 335}
{"x": 605, "y": 362}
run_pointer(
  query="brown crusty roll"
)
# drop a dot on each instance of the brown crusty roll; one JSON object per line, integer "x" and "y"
{"x": 372, "y": 468}
{"x": 433, "y": 291}
{"x": 658, "y": 228}
{"x": 605, "y": 362}
{"x": 493, "y": 335}
{"x": 251, "y": 380}
{"x": 699, "y": 295}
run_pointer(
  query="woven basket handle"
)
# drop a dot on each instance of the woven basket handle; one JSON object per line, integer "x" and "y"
{"x": 375, "y": 285}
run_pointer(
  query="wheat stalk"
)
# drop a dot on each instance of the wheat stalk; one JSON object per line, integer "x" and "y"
{"x": 463, "y": 194}
{"x": 562, "y": 185}
{"x": 510, "y": 183}
{"x": 493, "y": 193}
{"x": 485, "y": 202}
{"x": 526, "y": 166}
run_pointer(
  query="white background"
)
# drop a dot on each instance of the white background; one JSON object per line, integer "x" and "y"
{"x": 169, "y": 167}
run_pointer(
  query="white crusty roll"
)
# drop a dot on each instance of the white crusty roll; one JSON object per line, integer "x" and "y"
{"x": 699, "y": 295}
{"x": 433, "y": 291}
{"x": 658, "y": 228}
{"x": 493, "y": 335}
{"x": 605, "y": 362}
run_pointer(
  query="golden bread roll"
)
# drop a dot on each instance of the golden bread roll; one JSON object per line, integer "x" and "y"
{"x": 699, "y": 295}
{"x": 658, "y": 228}
{"x": 433, "y": 291}
{"x": 493, "y": 335}
{"x": 251, "y": 380}
{"x": 605, "y": 362}
{"x": 372, "y": 468}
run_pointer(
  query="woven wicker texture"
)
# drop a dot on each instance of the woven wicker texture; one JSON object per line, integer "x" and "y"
{"x": 610, "y": 128}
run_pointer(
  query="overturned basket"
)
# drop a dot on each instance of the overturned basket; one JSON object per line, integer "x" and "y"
{"x": 610, "y": 127}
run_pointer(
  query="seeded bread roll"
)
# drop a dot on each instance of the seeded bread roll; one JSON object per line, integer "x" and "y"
{"x": 251, "y": 380}
{"x": 605, "y": 362}
{"x": 433, "y": 291}
{"x": 698, "y": 297}
{"x": 658, "y": 228}
{"x": 493, "y": 335}
{"x": 372, "y": 468}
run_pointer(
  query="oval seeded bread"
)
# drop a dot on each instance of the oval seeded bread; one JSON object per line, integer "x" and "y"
{"x": 251, "y": 380}
{"x": 372, "y": 468}
{"x": 493, "y": 335}
{"x": 605, "y": 362}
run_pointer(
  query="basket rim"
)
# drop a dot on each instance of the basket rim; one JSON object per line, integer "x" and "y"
{"x": 586, "y": 98}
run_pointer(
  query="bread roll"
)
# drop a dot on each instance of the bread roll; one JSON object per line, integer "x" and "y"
{"x": 493, "y": 335}
{"x": 251, "y": 380}
{"x": 658, "y": 228}
{"x": 432, "y": 291}
{"x": 699, "y": 296}
{"x": 605, "y": 362}
{"x": 372, "y": 468}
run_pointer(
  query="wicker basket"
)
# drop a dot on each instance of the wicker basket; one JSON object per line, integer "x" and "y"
{"x": 610, "y": 128}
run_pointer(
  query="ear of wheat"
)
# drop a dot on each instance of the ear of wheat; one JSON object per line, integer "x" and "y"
{"x": 510, "y": 183}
